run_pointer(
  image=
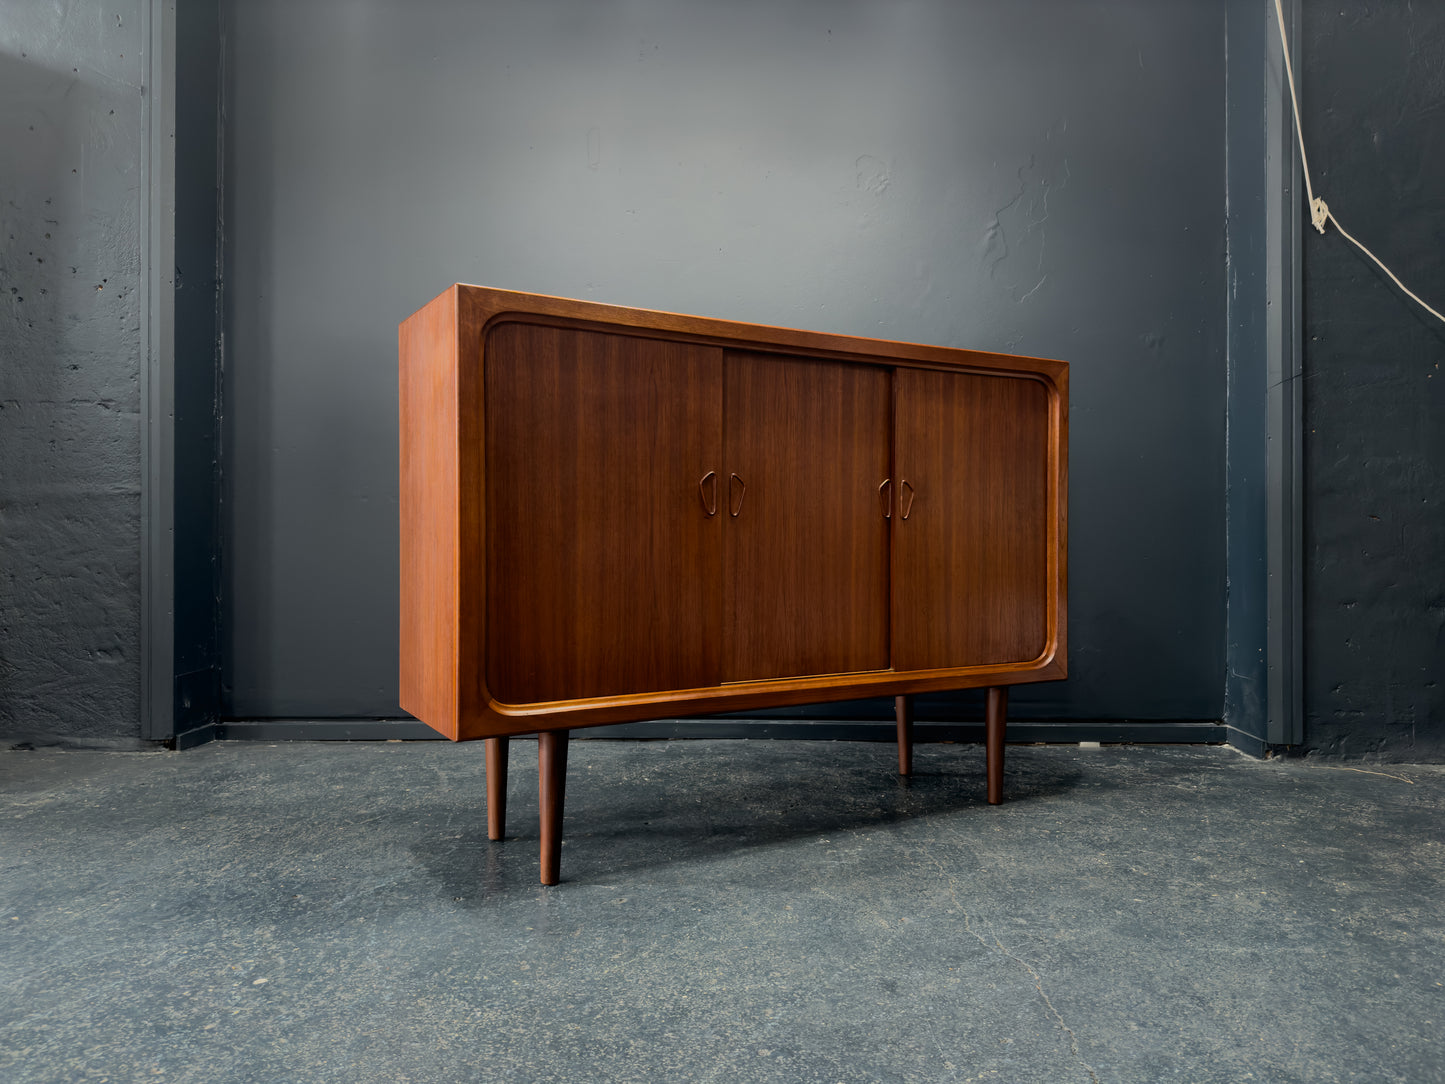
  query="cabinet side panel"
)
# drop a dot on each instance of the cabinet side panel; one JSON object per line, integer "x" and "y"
{"x": 428, "y": 501}
{"x": 603, "y": 562}
{"x": 1059, "y": 502}
{"x": 974, "y": 528}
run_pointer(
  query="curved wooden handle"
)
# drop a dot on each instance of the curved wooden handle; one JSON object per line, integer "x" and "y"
{"x": 908, "y": 506}
{"x": 742, "y": 492}
{"x": 885, "y": 494}
{"x": 708, "y": 506}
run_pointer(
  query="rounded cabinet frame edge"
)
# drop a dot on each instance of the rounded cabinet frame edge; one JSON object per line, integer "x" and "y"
{"x": 481, "y": 309}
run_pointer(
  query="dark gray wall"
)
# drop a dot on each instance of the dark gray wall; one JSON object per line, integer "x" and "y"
{"x": 1039, "y": 177}
{"x": 70, "y": 360}
{"x": 1247, "y": 316}
{"x": 196, "y": 434}
{"x": 1374, "y": 121}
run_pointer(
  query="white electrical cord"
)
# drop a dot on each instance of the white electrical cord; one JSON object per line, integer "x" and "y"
{"x": 1320, "y": 212}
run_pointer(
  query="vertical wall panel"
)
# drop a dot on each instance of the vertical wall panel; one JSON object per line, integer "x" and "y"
{"x": 70, "y": 361}
{"x": 1374, "y": 384}
{"x": 1035, "y": 177}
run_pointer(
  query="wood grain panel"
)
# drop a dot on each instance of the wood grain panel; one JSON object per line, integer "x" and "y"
{"x": 492, "y": 303}
{"x": 428, "y": 409}
{"x": 970, "y": 561}
{"x": 807, "y": 552}
{"x": 603, "y": 566}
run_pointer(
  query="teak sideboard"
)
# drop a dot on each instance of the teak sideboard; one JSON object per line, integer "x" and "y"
{"x": 613, "y": 514}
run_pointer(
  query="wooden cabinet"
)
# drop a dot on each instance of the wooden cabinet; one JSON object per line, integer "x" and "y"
{"x": 611, "y": 514}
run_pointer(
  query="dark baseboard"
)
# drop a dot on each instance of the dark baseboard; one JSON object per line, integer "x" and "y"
{"x": 1115, "y": 732}
{"x": 1188, "y": 731}
{"x": 194, "y": 737}
{"x": 1066, "y": 733}
{"x": 1248, "y": 744}
{"x": 77, "y": 743}
{"x": 325, "y": 730}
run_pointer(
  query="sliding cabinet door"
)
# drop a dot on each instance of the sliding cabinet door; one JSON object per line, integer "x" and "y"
{"x": 603, "y": 525}
{"x": 806, "y": 566}
{"x": 971, "y": 458}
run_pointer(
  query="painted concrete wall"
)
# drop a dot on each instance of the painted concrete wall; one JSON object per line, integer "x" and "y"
{"x": 196, "y": 543}
{"x": 1247, "y": 320}
{"x": 70, "y": 201}
{"x": 1035, "y": 177}
{"x": 909, "y": 174}
{"x": 1374, "y": 118}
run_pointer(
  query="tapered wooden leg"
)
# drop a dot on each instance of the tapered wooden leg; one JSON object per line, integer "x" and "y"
{"x": 903, "y": 707}
{"x": 995, "y": 720}
{"x": 551, "y": 791}
{"x": 497, "y": 749}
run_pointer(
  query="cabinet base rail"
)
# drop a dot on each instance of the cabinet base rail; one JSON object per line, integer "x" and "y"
{"x": 552, "y": 774}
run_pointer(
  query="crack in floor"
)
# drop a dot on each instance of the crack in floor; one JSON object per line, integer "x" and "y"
{"x": 1039, "y": 986}
{"x": 1038, "y": 979}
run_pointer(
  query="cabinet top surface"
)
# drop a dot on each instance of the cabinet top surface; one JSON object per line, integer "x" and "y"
{"x": 480, "y": 307}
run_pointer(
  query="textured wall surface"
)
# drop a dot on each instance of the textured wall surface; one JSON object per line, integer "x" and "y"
{"x": 1034, "y": 177}
{"x": 1374, "y": 117}
{"x": 1247, "y": 320}
{"x": 70, "y": 160}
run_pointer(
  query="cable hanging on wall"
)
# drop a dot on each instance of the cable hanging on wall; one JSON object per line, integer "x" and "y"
{"x": 1320, "y": 212}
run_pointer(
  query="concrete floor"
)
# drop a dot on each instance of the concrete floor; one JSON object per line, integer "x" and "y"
{"x": 730, "y": 911}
